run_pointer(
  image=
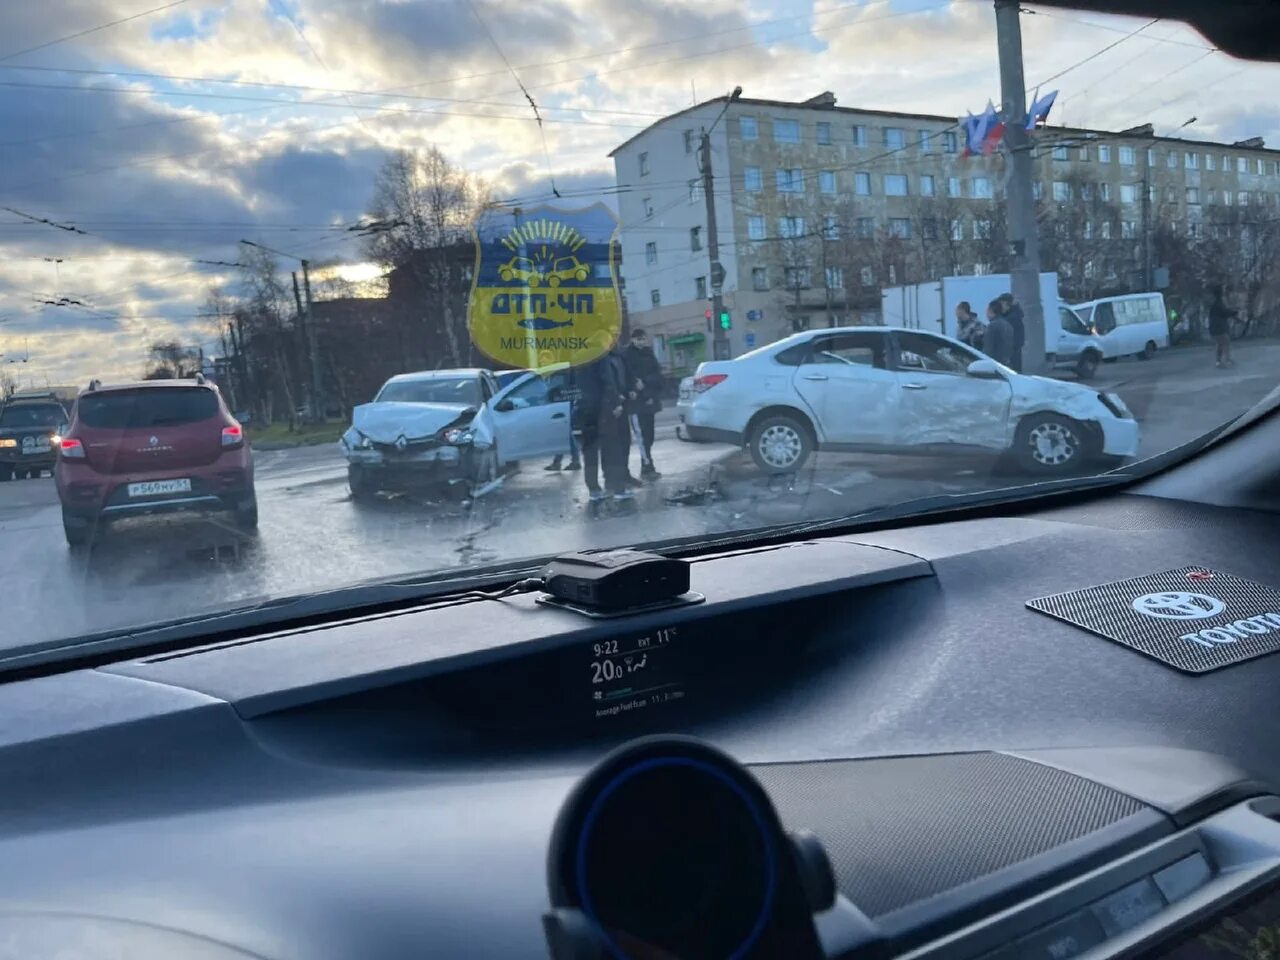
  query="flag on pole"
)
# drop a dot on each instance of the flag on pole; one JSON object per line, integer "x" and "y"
{"x": 983, "y": 132}
{"x": 1040, "y": 107}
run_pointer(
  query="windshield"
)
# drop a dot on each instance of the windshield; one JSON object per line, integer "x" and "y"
{"x": 32, "y": 415}
{"x": 466, "y": 392}
{"x": 752, "y": 252}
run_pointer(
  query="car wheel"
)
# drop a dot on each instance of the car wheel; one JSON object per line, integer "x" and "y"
{"x": 780, "y": 444}
{"x": 78, "y": 530}
{"x": 1048, "y": 443}
{"x": 361, "y": 484}
{"x": 1148, "y": 351}
{"x": 1087, "y": 365}
{"x": 247, "y": 514}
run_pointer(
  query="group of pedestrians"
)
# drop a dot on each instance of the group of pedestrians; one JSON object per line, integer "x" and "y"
{"x": 617, "y": 398}
{"x": 1001, "y": 337}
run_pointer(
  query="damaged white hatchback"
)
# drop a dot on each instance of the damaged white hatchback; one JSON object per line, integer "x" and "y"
{"x": 452, "y": 431}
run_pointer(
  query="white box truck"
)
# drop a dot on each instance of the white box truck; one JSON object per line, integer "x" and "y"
{"x": 932, "y": 306}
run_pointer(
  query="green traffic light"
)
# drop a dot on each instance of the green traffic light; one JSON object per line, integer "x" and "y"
{"x": 726, "y": 323}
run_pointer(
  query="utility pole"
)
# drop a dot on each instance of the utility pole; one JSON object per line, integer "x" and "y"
{"x": 313, "y": 349}
{"x": 720, "y": 342}
{"x": 1024, "y": 240}
{"x": 1148, "y": 282}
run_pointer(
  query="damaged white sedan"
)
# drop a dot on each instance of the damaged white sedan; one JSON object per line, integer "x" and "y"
{"x": 452, "y": 431}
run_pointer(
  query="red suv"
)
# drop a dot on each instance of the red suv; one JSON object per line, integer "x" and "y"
{"x": 152, "y": 447}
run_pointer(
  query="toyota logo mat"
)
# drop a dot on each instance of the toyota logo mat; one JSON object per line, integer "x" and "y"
{"x": 1193, "y": 619}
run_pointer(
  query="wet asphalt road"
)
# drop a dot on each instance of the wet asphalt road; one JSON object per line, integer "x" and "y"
{"x": 313, "y": 537}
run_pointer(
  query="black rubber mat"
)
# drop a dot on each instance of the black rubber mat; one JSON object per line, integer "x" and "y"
{"x": 1193, "y": 619}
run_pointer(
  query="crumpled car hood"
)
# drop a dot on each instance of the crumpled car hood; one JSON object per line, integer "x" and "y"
{"x": 388, "y": 421}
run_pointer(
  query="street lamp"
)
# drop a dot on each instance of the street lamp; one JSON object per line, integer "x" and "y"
{"x": 718, "y": 315}
{"x": 313, "y": 350}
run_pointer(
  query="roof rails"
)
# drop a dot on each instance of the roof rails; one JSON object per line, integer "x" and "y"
{"x": 94, "y": 384}
{"x": 199, "y": 378}
{"x": 34, "y": 395}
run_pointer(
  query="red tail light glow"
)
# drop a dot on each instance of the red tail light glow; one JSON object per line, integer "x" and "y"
{"x": 707, "y": 381}
{"x": 70, "y": 447}
{"x": 232, "y": 436}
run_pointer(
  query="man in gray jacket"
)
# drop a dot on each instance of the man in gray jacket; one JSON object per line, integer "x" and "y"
{"x": 998, "y": 343}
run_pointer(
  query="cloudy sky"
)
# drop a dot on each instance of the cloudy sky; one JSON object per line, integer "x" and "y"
{"x": 165, "y": 132}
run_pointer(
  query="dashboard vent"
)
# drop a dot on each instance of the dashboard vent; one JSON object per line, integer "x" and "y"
{"x": 902, "y": 829}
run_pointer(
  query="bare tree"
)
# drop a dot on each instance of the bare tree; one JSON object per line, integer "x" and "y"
{"x": 170, "y": 360}
{"x": 1082, "y": 238}
{"x": 8, "y": 385}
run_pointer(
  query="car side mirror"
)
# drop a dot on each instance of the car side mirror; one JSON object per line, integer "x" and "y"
{"x": 504, "y": 406}
{"x": 984, "y": 369}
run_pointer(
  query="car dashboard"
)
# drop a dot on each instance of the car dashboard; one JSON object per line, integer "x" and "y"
{"x": 985, "y": 779}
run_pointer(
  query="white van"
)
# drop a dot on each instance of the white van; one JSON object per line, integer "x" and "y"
{"x": 1077, "y": 347}
{"x": 1134, "y": 324}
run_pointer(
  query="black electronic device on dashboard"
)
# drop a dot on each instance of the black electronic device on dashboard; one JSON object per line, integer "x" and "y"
{"x": 615, "y": 579}
{"x": 670, "y": 848}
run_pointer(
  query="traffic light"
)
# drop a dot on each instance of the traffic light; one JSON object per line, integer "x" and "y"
{"x": 708, "y": 316}
{"x": 726, "y": 322}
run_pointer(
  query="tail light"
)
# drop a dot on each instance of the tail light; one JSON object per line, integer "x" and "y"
{"x": 233, "y": 436}
{"x": 708, "y": 380}
{"x": 69, "y": 447}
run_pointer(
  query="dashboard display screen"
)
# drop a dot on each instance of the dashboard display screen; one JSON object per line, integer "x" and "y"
{"x": 1248, "y": 931}
{"x": 635, "y": 674}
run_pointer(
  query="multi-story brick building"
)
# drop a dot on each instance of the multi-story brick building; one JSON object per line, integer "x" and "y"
{"x": 818, "y": 206}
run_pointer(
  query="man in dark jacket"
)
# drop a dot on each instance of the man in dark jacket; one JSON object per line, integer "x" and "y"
{"x": 1013, "y": 314}
{"x": 602, "y": 403}
{"x": 645, "y": 374}
{"x": 999, "y": 339}
{"x": 1220, "y": 326}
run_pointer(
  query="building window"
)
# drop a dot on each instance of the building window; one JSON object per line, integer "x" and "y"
{"x": 655, "y": 298}
{"x": 1105, "y": 232}
{"x": 900, "y": 227}
{"x": 748, "y": 129}
{"x": 786, "y": 131}
{"x": 1243, "y": 198}
{"x": 895, "y": 185}
{"x": 924, "y": 141}
{"x": 824, "y": 133}
{"x": 1211, "y": 195}
{"x": 1128, "y": 193}
{"x": 755, "y": 228}
{"x": 859, "y": 136}
{"x": 648, "y": 206}
{"x": 894, "y": 139}
{"x": 1193, "y": 194}
{"x": 980, "y": 188}
{"x": 866, "y": 276}
{"x": 1104, "y": 153}
{"x": 1104, "y": 191}
{"x": 1151, "y": 192}
{"x": 797, "y": 278}
{"x": 1128, "y": 229}
{"x": 1226, "y": 164}
{"x": 830, "y": 228}
{"x": 651, "y": 253}
{"x": 695, "y": 238}
{"x": 752, "y": 179}
{"x": 1170, "y": 195}
{"x": 1127, "y": 158}
{"x": 865, "y": 228}
{"x": 790, "y": 181}
{"x": 827, "y": 181}
{"x": 1037, "y": 190}
{"x": 791, "y": 228}
{"x": 950, "y": 142}
{"x": 1084, "y": 153}
{"x": 700, "y": 288}
{"x": 1228, "y": 197}
{"x": 690, "y": 138}
{"x": 1061, "y": 153}
{"x": 1088, "y": 230}
{"x": 957, "y": 229}
{"x": 644, "y": 164}
{"x": 1151, "y": 158}
{"x": 953, "y": 187}
{"x": 1191, "y": 161}
{"x": 1210, "y": 161}
{"x": 1086, "y": 190}
{"x": 929, "y": 228}
{"x": 926, "y": 185}
{"x": 835, "y": 278}
{"x": 862, "y": 184}
{"x": 982, "y": 229}
{"x": 695, "y": 191}
{"x": 759, "y": 278}
{"x": 1193, "y": 230}
{"x": 1061, "y": 190}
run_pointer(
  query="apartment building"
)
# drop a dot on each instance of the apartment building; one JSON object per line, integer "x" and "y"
{"x": 818, "y": 206}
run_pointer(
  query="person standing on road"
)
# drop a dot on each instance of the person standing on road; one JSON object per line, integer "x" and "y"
{"x": 969, "y": 327}
{"x": 645, "y": 374}
{"x": 1012, "y": 311}
{"x": 575, "y": 462}
{"x": 999, "y": 338}
{"x": 605, "y": 430}
{"x": 1220, "y": 316}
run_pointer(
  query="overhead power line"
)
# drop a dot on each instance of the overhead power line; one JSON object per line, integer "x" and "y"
{"x": 86, "y": 32}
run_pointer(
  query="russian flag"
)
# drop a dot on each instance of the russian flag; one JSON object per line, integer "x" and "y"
{"x": 982, "y": 132}
{"x": 1040, "y": 108}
